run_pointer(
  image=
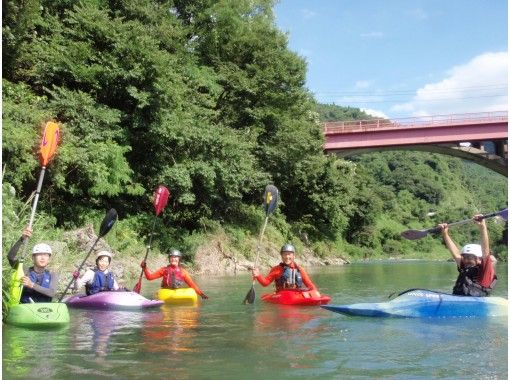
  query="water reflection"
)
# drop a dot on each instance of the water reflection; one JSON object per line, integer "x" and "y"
{"x": 98, "y": 326}
{"x": 20, "y": 347}
{"x": 171, "y": 330}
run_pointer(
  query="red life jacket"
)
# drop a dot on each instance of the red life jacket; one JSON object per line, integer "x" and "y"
{"x": 173, "y": 278}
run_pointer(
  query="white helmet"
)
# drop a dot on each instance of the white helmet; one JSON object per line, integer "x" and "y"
{"x": 41, "y": 248}
{"x": 472, "y": 249}
{"x": 103, "y": 253}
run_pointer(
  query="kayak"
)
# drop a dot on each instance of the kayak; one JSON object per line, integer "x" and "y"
{"x": 113, "y": 300}
{"x": 296, "y": 297}
{"x": 180, "y": 296}
{"x": 422, "y": 303}
{"x": 40, "y": 315}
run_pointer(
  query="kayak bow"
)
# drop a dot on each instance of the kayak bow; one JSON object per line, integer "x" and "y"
{"x": 112, "y": 300}
{"x": 296, "y": 297}
{"x": 422, "y": 303}
{"x": 42, "y": 315}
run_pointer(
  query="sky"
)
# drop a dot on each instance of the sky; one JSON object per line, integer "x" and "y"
{"x": 402, "y": 58}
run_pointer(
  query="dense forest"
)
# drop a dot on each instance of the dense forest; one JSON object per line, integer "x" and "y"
{"x": 206, "y": 97}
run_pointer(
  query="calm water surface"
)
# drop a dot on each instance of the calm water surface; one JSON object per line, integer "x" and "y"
{"x": 223, "y": 339}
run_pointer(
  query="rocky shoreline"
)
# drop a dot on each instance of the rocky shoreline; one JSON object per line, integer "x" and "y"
{"x": 215, "y": 257}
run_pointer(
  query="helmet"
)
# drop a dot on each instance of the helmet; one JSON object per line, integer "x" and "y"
{"x": 288, "y": 248}
{"x": 41, "y": 248}
{"x": 103, "y": 253}
{"x": 472, "y": 249}
{"x": 175, "y": 252}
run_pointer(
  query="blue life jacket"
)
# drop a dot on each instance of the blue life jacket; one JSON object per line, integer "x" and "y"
{"x": 102, "y": 282}
{"x": 290, "y": 279}
{"x": 43, "y": 279}
{"x": 466, "y": 284}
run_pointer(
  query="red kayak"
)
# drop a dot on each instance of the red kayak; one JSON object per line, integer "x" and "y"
{"x": 297, "y": 297}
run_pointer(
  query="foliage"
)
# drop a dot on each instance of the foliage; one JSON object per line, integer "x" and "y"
{"x": 207, "y": 98}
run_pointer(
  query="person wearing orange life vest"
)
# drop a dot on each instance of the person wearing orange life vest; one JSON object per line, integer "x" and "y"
{"x": 174, "y": 276}
{"x": 287, "y": 274}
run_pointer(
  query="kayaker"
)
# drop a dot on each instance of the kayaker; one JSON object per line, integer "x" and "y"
{"x": 39, "y": 284}
{"x": 99, "y": 278}
{"x": 287, "y": 274}
{"x": 174, "y": 276}
{"x": 476, "y": 272}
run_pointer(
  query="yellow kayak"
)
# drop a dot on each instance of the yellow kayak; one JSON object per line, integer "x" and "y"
{"x": 181, "y": 296}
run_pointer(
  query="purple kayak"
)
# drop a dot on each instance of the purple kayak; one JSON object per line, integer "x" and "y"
{"x": 115, "y": 300}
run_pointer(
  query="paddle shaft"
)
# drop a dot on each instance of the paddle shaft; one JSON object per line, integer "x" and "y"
{"x": 138, "y": 285}
{"x": 79, "y": 269}
{"x": 260, "y": 241}
{"x": 34, "y": 208}
{"x": 466, "y": 221}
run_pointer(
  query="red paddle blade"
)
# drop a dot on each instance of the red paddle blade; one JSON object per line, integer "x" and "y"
{"x": 51, "y": 137}
{"x": 138, "y": 286}
{"x": 160, "y": 198}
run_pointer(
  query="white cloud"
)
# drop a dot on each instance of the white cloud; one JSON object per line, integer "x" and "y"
{"x": 480, "y": 85}
{"x": 418, "y": 13}
{"x": 362, "y": 84}
{"x": 308, "y": 13}
{"x": 375, "y": 113}
{"x": 372, "y": 35}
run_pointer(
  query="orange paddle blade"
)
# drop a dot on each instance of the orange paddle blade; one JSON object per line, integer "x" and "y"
{"x": 51, "y": 137}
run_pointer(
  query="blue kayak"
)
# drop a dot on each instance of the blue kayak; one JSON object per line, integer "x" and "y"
{"x": 422, "y": 303}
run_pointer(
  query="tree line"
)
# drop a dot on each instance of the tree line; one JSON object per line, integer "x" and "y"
{"x": 207, "y": 98}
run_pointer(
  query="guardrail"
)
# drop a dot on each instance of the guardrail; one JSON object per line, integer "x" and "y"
{"x": 334, "y": 127}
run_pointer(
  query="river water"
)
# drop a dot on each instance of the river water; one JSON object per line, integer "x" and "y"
{"x": 223, "y": 339}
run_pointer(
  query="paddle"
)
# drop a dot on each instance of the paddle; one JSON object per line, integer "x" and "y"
{"x": 49, "y": 143}
{"x": 270, "y": 202}
{"x": 418, "y": 234}
{"x": 106, "y": 225}
{"x": 160, "y": 200}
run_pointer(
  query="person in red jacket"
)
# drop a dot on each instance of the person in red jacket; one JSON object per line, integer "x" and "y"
{"x": 174, "y": 276}
{"x": 287, "y": 274}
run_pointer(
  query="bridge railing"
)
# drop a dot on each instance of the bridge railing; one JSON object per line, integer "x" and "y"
{"x": 334, "y": 127}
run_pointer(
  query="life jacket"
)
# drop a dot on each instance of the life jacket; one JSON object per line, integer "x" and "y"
{"x": 173, "y": 278}
{"x": 43, "y": 279}
{"x": 466, "y": 285}
{"x": 290, "y": 278}
{"x": 102, "y": 282}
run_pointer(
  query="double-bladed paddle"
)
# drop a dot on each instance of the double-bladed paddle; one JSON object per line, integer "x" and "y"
{"x": 270, "y": 203}
{"x": 160, "y": 200}
{"x": 48, "y": 147}
{"x": 418, "y": 234}
{"x": 106, "y": 225}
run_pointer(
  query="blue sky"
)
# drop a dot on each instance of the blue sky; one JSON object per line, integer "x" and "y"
{"x": 402, "y": 58}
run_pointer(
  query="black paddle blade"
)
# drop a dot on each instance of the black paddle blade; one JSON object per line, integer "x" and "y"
{"x": 270, "y": 199}
{"x": 416, "y": 234}
{"x": 108, "y": 222}
{"x": 250, "y": 296}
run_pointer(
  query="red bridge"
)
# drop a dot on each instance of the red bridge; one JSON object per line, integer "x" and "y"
{"x": 479, "y": 137}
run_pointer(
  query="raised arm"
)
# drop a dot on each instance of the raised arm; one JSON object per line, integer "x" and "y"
{"x": 484, "y": 235}
{"x": 450, "y": 244}
{"x": 13, "y": 252}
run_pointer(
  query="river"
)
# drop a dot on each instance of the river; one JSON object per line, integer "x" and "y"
{"x": 223, "y": 339}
